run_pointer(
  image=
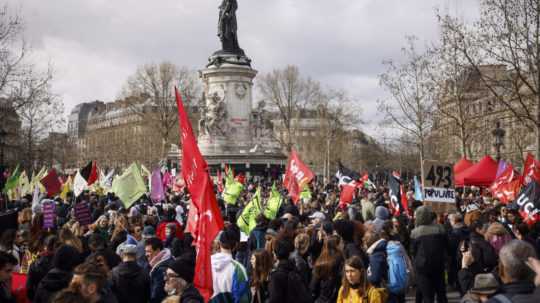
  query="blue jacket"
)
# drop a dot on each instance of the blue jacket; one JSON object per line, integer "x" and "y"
{"x": 378, "y": 267}
{"x": 157, "y": 278}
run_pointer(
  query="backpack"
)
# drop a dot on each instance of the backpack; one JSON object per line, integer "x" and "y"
{"x": 300, "y": 293}
{"x": 399, "y": 274}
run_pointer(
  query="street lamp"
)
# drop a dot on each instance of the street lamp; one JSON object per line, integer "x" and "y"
{"x": 3, "y": 135}
{"x": 499, "y": 134}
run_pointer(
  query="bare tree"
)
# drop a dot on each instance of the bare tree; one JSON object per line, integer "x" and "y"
{"x": 288, "y": 92}
{"x": 507, "y": 34}
{"x": 150, "y": 95}
{"x": 41, "y": 112}
{"x": 12, "y": 50}
{"x": 411, "y": 88}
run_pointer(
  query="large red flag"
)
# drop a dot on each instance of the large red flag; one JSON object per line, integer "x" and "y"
{"x": 201, "y": 189}
{"x": 531, "y": 170}
{"x": 296, "y": 176}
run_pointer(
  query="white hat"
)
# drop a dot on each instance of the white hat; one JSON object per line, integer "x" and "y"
{"x": 317, "y": 215}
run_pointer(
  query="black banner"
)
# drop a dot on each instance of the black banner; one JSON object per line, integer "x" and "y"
{"x": 528, "y": 200}
{"x": 394, "y": 184}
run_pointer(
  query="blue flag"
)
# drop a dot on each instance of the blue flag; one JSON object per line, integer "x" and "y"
{"x": 418, "y": 196}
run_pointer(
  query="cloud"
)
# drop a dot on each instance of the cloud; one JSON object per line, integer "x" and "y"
{"x": 94, "y": 45}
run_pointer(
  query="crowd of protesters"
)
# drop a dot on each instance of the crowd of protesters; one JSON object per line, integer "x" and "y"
{"x": 313, "y": 251}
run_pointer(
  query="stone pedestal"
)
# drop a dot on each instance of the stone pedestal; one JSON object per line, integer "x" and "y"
{"x": 228, "y": 131}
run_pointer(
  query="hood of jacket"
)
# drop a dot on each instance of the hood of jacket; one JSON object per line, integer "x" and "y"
{"x": 163, "y": 256}
{"x": 424, "y": 216}
{"x": 382, "y": 213}
{"x": 220, "y": 261}
{"x": 56, "y": 279}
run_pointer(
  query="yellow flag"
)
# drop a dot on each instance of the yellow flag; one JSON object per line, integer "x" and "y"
{"x": 66, "y": 188}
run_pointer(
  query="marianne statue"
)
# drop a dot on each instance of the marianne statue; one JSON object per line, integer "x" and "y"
{"x": 227, "y": 27}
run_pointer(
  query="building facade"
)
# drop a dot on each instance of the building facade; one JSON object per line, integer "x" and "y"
{"x": 465, "y": 127}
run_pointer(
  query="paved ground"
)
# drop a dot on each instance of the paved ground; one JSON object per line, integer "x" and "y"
{"x": 453, "y": 297}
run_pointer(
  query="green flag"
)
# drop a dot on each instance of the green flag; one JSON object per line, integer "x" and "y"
{"x": 273, "y": 204}
{"x": 13, "y": 180}
{"x": 246, "y": 222}
{"x": 129, "y": 187}
{"x": 233, "y": 189}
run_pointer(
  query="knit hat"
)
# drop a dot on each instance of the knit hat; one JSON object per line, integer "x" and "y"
{"x": 382, "y": 213}
{"x": 128, "y": 249}
{"x": 184, "y": 268}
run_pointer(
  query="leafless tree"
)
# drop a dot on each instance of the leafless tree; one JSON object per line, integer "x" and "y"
{"x": 12, "y": 50}
{"x": 150, "y": 94}
{"x": 412, "y": 95}
{"x": 507, "y": 34}
{"x": 40, "y": 112}
{"x": 290, "y": 94}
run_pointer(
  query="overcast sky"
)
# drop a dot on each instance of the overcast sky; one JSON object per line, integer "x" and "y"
{"x": 94, "y": 45}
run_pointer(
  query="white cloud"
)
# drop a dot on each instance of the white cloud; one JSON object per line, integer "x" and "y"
{"x": 94, "y": 45}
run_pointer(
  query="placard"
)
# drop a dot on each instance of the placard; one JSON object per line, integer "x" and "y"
{"x": 438, "y": 182}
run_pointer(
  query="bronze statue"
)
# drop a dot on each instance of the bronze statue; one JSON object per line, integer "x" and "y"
{"x": 227, "y": 27}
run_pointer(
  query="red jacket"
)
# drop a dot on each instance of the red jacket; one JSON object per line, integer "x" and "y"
{"x": 160, "y": 232}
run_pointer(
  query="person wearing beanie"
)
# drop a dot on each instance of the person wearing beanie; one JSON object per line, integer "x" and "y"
{"x": 229, "y": 276}
{"x": 381, "y": 216}
{"x": 59, "y": 277}
{"x": 130, "y": 282}
{"x": 429, "y": 246}
{"x": 179, "y": 281}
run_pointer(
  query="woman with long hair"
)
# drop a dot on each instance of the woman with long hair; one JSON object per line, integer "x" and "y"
{"x": 261, "y": 264}
{"x": 355, "y": 288}
{"x": 67, "y": 237}
{"x": 327, "y": 271}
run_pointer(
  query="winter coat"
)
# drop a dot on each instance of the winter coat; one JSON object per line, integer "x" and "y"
{"x": 484, "y": 254}
{"x": 157, "y": 277}
{"x": 191, "y": 295}
{"x": 54, "y": 281}
{"x": 5, "y": 294}
{"x": 429, "y": 243}
{"x": 520, "y": 292}
{"x": 280, "y": 286}
{"x": 38, "y": 269}
{"x": 374, "y": 295}
{"x": 302, "y": 267}
{"x": 130, "y": 283}
{"x": 378, "y": 266}
{"x": 230, "y": 280}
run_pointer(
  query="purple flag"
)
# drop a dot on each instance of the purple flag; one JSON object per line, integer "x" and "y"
{"x": 157, "y": 186}
{"x": 501, "y": 168}
{"x": 49, "y": 214}
{"x": 167, "y": 180}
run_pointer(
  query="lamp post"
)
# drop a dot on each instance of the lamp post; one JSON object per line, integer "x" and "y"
{"x": 499, "y": 134}
{"x": 3, "y": 135}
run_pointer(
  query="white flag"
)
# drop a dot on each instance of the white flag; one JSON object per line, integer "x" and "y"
{"x": 79, "y": 184}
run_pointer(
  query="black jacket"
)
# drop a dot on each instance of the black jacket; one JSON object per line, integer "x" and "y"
{"x": 286, "y": 285}
{"x": 521, "y": 292}
{"x": 429, "y": 247}
{"x": 5, "y": 294}
{"x": 326, "y": 290}
{"x": 302, "y": 267}
{"x": 36, "y": 272}
{"x": 130, "y": 283}
{"x": 191, "y": 295}
{"x": 54, "y": 281}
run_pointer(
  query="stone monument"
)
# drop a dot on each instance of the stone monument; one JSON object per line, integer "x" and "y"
{"x": 230, "y": 130}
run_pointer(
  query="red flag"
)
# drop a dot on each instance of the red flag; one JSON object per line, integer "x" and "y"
{"x": 52, "y": 183}
{"x": 200, "y": 187}
{"x": 507, "y": 186}
{"x": 531, "y": 170}
{"x": 296, "y": 176}
{"x": 404, "y": 200}
{"x": 347, "y": 194}
{"x": 241, "y": 178}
